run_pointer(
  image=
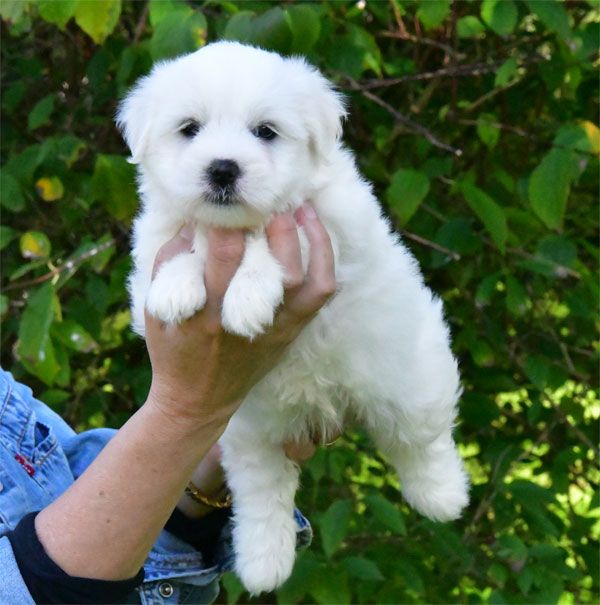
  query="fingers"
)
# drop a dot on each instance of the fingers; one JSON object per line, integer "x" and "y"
{"x": 225, "y": 253}
{"x": 182, "y": 242}
{"x": 319, "y": 283}
{"x": 282, "y": 236}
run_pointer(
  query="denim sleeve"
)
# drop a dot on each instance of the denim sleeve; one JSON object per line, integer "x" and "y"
{"x": 12, "y": 587}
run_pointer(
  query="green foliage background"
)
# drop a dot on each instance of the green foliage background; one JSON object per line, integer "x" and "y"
{"x": 476, "y": 122}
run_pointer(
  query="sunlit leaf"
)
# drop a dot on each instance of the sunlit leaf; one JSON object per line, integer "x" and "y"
{"x": 499, "y": 15}
{"x": 34, "y": 245}
{"x": 57, "y": 11}
{"x": 97, "y": 18}
{"x": 50, "y": 189}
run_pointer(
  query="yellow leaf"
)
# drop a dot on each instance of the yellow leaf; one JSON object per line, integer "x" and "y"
{"x": 34, "y": 244}
{"x": 50, "y": 189}
{"x": 593, "y": 135}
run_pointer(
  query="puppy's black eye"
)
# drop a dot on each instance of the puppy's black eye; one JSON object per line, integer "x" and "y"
{"x": 190, "y": 129}
{"x": 265, "y": 132}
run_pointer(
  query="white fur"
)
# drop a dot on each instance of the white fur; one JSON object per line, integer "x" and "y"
{"x": 379, "y": 351}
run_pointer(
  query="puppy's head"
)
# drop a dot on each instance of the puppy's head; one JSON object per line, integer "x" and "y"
{"x": 230, "y": 134}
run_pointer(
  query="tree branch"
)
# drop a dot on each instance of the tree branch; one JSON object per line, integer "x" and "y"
{"x": 402, "y": 119}
{"x": 70, "y": 265}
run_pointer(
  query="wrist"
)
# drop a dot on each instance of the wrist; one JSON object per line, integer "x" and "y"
{"x": 187, "y": 411}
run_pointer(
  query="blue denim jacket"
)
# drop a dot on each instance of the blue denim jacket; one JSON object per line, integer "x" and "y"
{"x": 40, "y": 456}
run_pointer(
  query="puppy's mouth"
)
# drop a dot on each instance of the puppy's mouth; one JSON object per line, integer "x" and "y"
{"x": 223, "y": 197}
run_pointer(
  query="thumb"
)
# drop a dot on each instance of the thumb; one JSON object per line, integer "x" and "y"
{"x": 182, "y": 242}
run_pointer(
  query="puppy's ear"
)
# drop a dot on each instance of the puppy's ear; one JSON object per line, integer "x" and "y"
{"x": 323, "y": 110}
{"x": 133, "y": 119}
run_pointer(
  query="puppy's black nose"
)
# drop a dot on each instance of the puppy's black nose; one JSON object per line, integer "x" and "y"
{"x": 223, "y": 172}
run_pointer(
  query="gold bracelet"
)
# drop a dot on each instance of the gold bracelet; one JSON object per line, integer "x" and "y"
{"x": 197, "y": 496}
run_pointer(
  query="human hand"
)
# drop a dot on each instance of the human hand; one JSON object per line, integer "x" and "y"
{"x": 201, "y": 373}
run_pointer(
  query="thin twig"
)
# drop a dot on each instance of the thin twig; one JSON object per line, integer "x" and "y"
{"x": 70, "y": 265}
{"x": 425, "y": 41}
{"x": 141, "y": 24}
{"x": 469, "y": 69}
{"x": 430, "y": 244}
{"x": 402, "y": 119}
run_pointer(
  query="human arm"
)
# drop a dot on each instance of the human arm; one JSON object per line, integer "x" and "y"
{"x": 104, "y": 525}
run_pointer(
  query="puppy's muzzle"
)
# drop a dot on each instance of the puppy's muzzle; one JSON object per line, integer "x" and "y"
{"x": 223, "y": 174}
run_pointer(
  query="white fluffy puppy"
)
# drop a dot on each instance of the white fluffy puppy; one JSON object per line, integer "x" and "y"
{"x": 227, "y": 136}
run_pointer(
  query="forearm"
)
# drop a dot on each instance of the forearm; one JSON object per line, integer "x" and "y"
{"x": 104, "y": 525}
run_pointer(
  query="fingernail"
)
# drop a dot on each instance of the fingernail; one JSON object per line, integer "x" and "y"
{"x": 309, "y": 212}
{"x": 187, "y": 232}
{"x": 305, "y": 213}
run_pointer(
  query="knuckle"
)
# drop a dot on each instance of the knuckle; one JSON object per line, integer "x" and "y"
{"x": 294, "y": 279}
{"x": 327, "y": 288}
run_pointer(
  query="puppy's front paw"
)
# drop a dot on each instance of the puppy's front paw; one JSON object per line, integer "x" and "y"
{"x": 177, "y": 291}
{"x": 254, "y": 293}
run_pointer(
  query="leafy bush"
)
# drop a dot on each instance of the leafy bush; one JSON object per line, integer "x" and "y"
{"x": 476, "y": 123}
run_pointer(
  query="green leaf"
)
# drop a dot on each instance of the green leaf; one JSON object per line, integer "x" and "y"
{"x": 386, "y": 513}
{"x": 553, "y": 15}
{"x": 73, "y": 336}
{"x": 7, "y": 234}
{"x": 433, "y": 12}
{"x": 306, "y": 569}
{"x": 517, "y": 301}
{"x": 507, "y": 71}
{"x": 159, "y": 9}
{"x": 34, "y": 245}
{"x": 469, "y": 27}
{"x": 40, "y": 114}
{"x": 270, "y": 30}
{"x": 179, "y": 32}
{"x": 537, "y": 370}
{"x": 500, "y": 15}
{"x": 235, "y": 589}
{"x": 363, "y": 569}
{"x": 582, "y": 136}
{"x": 57, "y": 12}
{"x": 512, "y": 549}
{"x": 4, "y": 305}
{"x": 239, "y": 27}
{"x": 47, "y": 367}
{"x": 334, "y": 524}
{"x": 11, "y": 196}
{"x": 550, "y": 185}
{"x": 12, "y": 10}
{"x": 98, "y": 18}
{"x": 407, "y": 190}
{"x": 330, "y": 587}
{"x": 558, "y": 249}
{"x": 113, "y": 185}
{"x": 488, "y": 133}
{"x": 491, "y": 214}
{"x": 35, "y": 324}
{"x": 305, "y": 26}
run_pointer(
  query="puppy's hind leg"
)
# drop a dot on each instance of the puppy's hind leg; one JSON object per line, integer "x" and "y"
{"x": 433, "y": 479}
{"x": 414, "y": 432}
{"x": 263, "y": 482}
